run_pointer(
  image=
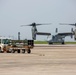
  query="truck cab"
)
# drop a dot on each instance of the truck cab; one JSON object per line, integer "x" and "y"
{"x": 3, "y": 43}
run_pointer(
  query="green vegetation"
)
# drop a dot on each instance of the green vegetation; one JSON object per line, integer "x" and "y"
{"x": 70, "y": 42}
{"x": 40, "y": 42}
{"x": 45, "y": 42}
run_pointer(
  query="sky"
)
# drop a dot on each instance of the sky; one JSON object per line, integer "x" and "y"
{"x": 14, "y": 13}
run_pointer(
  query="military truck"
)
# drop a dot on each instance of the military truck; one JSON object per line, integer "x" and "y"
{"x": 19, "y": 46}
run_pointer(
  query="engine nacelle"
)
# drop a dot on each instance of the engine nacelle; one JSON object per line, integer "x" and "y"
{"x": 34, "y": 36}
{"x": 74, "y": 37}
{"x": 75, "y": 34}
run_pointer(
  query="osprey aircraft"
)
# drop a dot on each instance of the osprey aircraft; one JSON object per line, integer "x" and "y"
{"x": 73, "y": 31}
{"x": 34, "y": 30}
{"x": 59, "y": 37}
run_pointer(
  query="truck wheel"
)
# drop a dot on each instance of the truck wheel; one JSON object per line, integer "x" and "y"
{"x": 13, "y": 51}
{"x": 29, "y": 51}
{"x": 23, "y": 50}
{"x": 62, "y": 42}
{"x": 1, "y": 51}
{"x": 8, "y": 51}
{"x": 50, "y": 43}
{"x": 18, "y": 51}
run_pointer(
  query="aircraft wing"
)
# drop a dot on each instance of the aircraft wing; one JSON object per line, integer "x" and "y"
{"x": 43, "y": 33}
{"x": 66, "y": 34}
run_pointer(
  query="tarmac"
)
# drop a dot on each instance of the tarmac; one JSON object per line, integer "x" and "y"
{"x": 43, "y": 60}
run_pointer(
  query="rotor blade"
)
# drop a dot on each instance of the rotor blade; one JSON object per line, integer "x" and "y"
{"x": 34, "y": 24}
{"x": 67, "y": 24}
{"x": 63, "y": 24}
{"x": 73, "y": 24}
{"x": 26, "y": 25}
{"x": 44, "y": 24}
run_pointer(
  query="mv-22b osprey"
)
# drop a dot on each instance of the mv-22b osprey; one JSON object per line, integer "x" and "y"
{"x": 73, "y": 31}
{"x": 34, "y": 30}
{"x": 59, "y": 37}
